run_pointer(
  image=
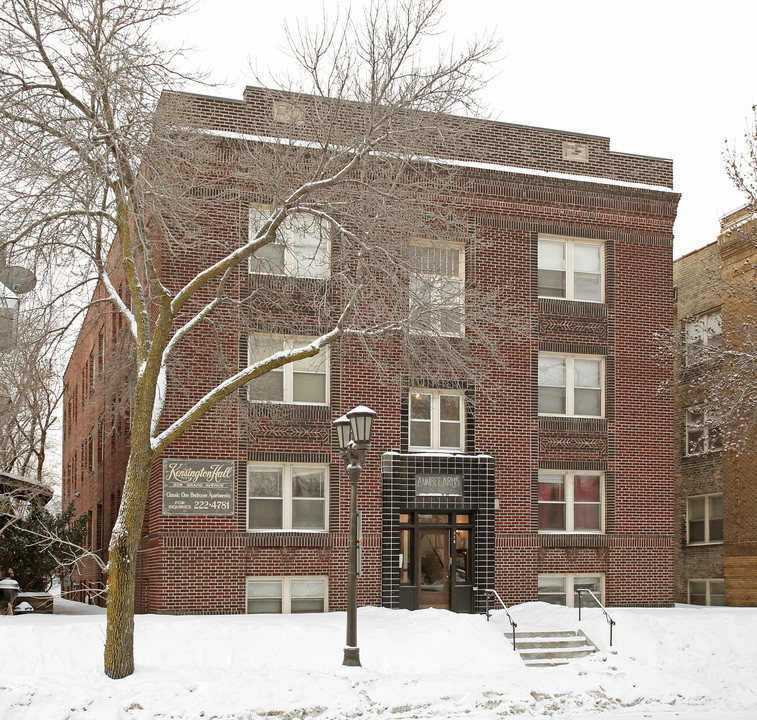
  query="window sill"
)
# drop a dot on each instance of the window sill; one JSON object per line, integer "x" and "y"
{"x": 556, "y": 298}
{"x": 704, "y": 544}
{"x": 547, "y": 416}
{"x": 285, "y": 530}
{"x": 571, "y": 532}
{"x": 279, "y": 403}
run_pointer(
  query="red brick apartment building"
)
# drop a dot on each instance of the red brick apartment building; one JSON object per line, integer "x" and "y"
{"x": 552, "y": 471}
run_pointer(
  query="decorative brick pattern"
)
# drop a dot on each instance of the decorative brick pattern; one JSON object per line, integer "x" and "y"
{"x": 399, "y": 471}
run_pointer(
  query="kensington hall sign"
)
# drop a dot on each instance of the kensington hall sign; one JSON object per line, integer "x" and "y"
{"x": 198, "y": 487}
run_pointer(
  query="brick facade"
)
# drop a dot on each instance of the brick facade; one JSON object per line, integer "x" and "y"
{"x": 697, "y": 280}
{"x": 738, "y": 256}
{"x": 717, "y": 279}
{"x": 518, "y": 183}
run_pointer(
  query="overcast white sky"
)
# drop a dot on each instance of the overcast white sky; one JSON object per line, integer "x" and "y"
{"x": 659, "y": 78}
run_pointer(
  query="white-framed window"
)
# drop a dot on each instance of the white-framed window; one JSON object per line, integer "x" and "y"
{"x": 701, "y": 435}
{"x": 571, "y": 269}
{"x": 561, "y": 589}
{"x": 707, "y": 592}
{"x": 287, "y": 497}
{"x": 436, "y": 419}
{"x": 302, "y": 247}
{"x": 704, "y": 519}
{"x": 437, "y": 283}
{"x": 571, "y": 385}
{"x": 302, "y": 381}
{"x": 307, "y": 594}
{"x": 571, "y": 501}
{"x": 701, "y": 332}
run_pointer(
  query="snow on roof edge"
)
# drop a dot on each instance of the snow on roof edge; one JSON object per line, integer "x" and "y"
{"x": 456, "y": 163}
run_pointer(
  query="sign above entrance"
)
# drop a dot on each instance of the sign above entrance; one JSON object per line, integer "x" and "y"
{"x": 439, "y": 484}
{"x": 198, "y": 487}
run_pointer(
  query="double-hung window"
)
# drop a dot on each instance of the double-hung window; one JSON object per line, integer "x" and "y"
{"x": 301, "y": 248}
{"x": 704, "y": 519}
{"x": 570, "y": 385}
{"x": 707, "y": 592}
{"x": 571, "y": 269}
{"x": 436, "y": 419}
{"x": 437, "y": 279}
{"x": 570, "y": 501}
{"x": 286, "y": 594}
{"x": 701, "y": 436}
{"x": 286, "y": 497}
{"x": 702, "y": 332}
{"x": 301, "y": 381}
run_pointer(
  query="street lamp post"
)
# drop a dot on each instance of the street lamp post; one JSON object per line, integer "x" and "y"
{"x": 354, "y": 433}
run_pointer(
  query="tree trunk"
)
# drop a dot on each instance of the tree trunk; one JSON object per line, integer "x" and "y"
{"x": 122, "y": 563}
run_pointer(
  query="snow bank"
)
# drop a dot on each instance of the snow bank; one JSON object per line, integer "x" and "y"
{"x": 683, "y": 662}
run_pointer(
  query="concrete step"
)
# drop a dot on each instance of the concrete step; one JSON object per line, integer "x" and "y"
{"x": 540, "y": 642}
{"x": 552, "y": 647}
{"x": 544, "y": 633}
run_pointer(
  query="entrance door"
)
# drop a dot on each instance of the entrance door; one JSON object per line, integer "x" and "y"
{"x": 434, "y": 565}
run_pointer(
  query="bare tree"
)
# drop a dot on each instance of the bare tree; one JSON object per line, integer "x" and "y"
{"x": 738, "y": 280}
{"x": 719, "y": 349}
{"x": 30, "y": 393}
{"x": 103, "y": 177}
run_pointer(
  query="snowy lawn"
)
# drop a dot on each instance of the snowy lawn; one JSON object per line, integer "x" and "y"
{"x": 684, "y": 662}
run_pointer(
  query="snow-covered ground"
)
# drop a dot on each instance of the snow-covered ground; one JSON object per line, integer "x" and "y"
{"x": 683, "y": 662}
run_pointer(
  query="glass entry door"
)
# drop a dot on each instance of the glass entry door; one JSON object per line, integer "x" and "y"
{"x": 435, "y": 560}
{"x": 434, "y": 565}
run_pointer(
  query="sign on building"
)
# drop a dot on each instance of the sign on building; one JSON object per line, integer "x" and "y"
{"x": 198, "y": 487}
{"x": 439, "y": 484}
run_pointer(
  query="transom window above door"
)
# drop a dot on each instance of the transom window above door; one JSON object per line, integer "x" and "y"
{"x": 571, "y": 269}
{"x": 436, "y": 419}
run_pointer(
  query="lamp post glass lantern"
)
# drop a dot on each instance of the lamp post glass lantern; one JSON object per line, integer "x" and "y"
{"x": 353, "y": 432}
{"x": 361, "y": 424}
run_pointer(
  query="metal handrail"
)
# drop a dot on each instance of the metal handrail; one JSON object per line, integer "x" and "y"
{"x": 488, "y": 592}
{"x": 610, "y": 621}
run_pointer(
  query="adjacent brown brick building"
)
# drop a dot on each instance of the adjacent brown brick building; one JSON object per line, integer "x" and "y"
{"x": 716, "y": 504}
{"x": 699, "y": 455}
{"x": 738, "y": 255}
{"x": 545, "y": 473}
